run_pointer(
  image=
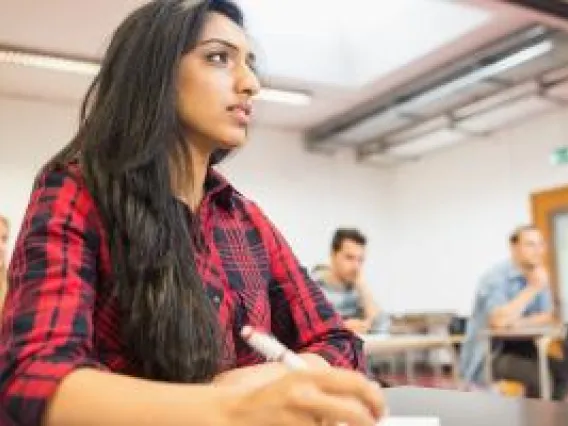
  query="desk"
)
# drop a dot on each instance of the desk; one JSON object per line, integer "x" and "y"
{"x": 474, "y": 408}
{"x": 380, "y": 344}
{"x": 541, "y": 336}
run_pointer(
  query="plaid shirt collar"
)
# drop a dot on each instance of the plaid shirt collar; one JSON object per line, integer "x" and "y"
{"x": 219, "y": 190}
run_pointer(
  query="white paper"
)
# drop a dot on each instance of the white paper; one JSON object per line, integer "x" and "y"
{"x": 409, "y": 421}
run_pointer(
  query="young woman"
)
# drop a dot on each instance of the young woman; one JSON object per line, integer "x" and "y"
{"x": 138, "y": 265}
{"x": 4, "y": 232}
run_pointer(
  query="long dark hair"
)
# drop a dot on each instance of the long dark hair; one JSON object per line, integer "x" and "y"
{"x": 3, "y": 266}
{"x": 130, "y": 146}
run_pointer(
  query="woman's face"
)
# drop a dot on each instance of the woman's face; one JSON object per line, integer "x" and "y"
{"x": 3, "y": 242}
{"x": 216, "y": 82}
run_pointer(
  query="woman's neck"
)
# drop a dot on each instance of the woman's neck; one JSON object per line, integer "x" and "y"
{"x": 199, "y": 167}
{"x": 190, "y": 188}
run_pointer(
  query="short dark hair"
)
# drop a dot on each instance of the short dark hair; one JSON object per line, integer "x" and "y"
{"x": 343, "y": 234}
{"x": 515, "y": 236}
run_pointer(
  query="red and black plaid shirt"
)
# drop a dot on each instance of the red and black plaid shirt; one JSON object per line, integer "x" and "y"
{"x": 59, "y": 314}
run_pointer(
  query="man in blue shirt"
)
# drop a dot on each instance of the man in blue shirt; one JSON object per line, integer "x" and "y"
{"x": 514, "y": 293}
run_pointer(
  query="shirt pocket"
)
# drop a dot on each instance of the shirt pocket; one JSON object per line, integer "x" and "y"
{"x": 246, "y": 265}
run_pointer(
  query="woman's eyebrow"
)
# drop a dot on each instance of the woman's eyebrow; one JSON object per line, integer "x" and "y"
{"x": 250, "y": 56}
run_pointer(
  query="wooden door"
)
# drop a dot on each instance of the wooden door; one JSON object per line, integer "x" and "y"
{"x": 550, "y": 215}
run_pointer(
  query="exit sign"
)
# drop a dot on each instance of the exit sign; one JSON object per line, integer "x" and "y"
{"x": 559, "y": 156}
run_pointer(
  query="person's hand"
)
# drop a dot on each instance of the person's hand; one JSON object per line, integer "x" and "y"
{"x": 357, "y": 325}
{"x": 253, "y": 377}
{"x": 256, "y": 376}
{"x": 308, "y": 398}
{"x": 360, "y": 279}
{"x": 538, "y": 277}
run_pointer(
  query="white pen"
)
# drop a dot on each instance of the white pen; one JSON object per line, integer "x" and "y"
{"x": 268, "y": 346}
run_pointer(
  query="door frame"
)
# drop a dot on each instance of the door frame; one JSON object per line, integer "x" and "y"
{"x": 545, "y": 205}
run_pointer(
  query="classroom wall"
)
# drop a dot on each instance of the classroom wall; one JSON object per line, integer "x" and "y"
{"x": 452, "y": 212}
{"x": 433, "y": 225}
{"x": 30, "y": 133}
{"x": 306, "y": 195}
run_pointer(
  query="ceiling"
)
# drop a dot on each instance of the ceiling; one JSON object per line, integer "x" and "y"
{"x": 343, "y": 55}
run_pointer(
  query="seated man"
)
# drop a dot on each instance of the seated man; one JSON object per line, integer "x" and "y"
{"x": 515, "y": 293}
{"x": 344, "y": 287}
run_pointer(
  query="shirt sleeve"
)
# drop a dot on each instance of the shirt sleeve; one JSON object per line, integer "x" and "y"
{"x": 47, "y": 324}
{"x": 543, "y": 302}
{"x": 492, "y": 293}
{"x": 302, "y": 318}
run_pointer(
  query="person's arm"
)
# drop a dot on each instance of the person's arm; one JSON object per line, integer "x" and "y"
{"x": 92, "y": 398}
{"x": 302, "y": 318}
{"x": 542, "y": 313}
{"x": 536, "y": 320}
{"x": 89, "y": 397}
{"x": 50, "y": 374}
{"x": 370, "y": 308}
{"x": 47, "y": 324}
{"x": 508, "y": 314}
{"x": 256, "y": 376}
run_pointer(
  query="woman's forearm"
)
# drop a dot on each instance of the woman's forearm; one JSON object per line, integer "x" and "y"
{"x": 90, "y": 397}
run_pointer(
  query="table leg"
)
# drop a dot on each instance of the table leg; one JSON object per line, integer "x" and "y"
{"x": 410, "y": 376}
{"x": 392, "y": 362}
{"x": 454, "y": 362}
{"x": 545, "y": 383}
{"x": 436, "y": 361}
{"x": 488, "y": 361}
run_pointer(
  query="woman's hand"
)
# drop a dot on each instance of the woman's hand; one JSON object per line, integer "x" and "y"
{"x": 308, "y": 398}
{"x": 253, "y": 377}
{"x": 256, "y": 376}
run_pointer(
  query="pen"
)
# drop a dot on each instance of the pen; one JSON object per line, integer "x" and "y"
{"x": 272, "y": 349}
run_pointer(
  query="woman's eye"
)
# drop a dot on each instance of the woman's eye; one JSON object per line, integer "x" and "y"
{"x": 218, "y": 58}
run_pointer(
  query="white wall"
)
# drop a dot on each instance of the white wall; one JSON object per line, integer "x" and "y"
{"x": 433, "y": 226}
{"x": 452, "y": 212}
{"x": 307, "y": 196}
{"x": 30, "y": 133}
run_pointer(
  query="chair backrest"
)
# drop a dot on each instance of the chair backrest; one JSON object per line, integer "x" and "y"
{"x": 458, "y": 325}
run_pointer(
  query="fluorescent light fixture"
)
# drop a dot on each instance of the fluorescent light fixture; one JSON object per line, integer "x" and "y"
{"x": 506, "y": 114}
{"x": 481, "y": 74}
{"x": 37, "y": 60}
{"x": 372, "y": 126}
{"x": 516, "y": 59}
{"x": 427, "y": 143}
{"x": 91, "y": 68}
{"x": 380, "y": 159}
{"x": 505, "y": 96}
{"x": 559, "y": 91}
{"x": 419, "y": 130}
{"x": 556, "y": 84}
{"x": 283, "y": 96}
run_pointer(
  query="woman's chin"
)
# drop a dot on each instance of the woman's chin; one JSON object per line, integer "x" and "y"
{"x": 233, "y": 141}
